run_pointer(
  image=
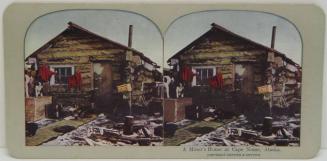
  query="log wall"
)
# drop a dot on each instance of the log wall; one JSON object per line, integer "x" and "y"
{"x": 139, "y": 74}
{"x": 81, "y": 49}
{"x": 223, "y": 51}
{"x": 287, "y": 84}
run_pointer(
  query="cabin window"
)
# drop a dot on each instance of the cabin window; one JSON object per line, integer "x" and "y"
{"x": 203, "y": 74}
{"x": 63, "y": 72}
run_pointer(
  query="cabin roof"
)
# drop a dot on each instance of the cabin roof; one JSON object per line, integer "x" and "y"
{"x": 216, "y": 27}
{"x": 75, "y": 26}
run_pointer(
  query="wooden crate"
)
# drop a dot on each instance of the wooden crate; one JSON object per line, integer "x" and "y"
{"x": 35, "y": 107}
{"x": 174, "y": 109}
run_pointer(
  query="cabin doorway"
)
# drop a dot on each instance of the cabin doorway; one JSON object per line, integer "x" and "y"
{"x": 102, "y": 84}
{"x": 244, "y": 78}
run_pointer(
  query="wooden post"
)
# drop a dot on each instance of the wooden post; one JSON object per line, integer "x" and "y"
{"x": 130, "y": 103}
{"x": 233, "y": 75}
{"x": 130, "y": 95}
{"x": 130, "y": 57}
{"x": 270, "y": 60}
{"x": 92, "y": 76}
{"x": 272, "y": 45}
{"x": 272, "y": 93}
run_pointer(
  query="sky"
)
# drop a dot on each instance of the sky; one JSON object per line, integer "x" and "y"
{"x": 256, "y": 26}
{"x": 147, "y": 39}
{"x": 107, "y": 23}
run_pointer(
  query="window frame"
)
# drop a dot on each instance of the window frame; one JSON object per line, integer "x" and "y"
{"x": 214, "y": 68}
{"x": 52, "y": 67}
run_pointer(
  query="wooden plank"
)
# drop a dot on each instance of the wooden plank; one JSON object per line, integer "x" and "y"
{"x": 112, "y": 53}
{"x": 203, "y": 56}
{"x": 124, "y": 88}
{"x": 264, "y": 89}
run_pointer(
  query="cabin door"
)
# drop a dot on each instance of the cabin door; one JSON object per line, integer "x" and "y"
{"x": 244, "y": 78}
{"x": 102, "y": 83}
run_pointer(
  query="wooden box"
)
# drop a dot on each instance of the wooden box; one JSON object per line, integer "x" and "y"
{"x": 35, "y": 107}
{"x": 174, "y": 109}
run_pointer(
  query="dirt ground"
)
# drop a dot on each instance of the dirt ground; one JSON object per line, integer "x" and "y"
{"x": 189, "y": 130}
{"x": 46, "y": 131}
{"x": 96, "y": 131}
{"x": 222, "y": 136}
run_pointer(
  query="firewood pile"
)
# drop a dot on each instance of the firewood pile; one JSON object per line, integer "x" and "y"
{"x": 133, "y": 131}
{"x": 280, "y": 131}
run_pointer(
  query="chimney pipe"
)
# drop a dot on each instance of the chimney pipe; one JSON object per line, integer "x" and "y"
{"x": 273, "y": 37}
{"x": 130, "y": 36}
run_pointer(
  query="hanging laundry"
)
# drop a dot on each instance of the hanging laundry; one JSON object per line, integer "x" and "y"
{"x": 166, "y": 82}
{"x": 187, "y": 74}
{"x": 75, "y": 81}
{"x": 193, "y": 78}
{"x": 78, "y": 78}
{"x": 52, "y": 77}
{"x": 71, "y": 82}
{"x": 217, "y": 81}
{"x": 45, "y": 73}
{"x": 27, "y": 82}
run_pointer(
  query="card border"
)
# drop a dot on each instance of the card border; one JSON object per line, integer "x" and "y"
{"x": 18, "y": 17}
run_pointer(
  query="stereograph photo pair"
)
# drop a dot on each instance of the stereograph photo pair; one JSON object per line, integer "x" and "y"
{"x": 131, "y": 80}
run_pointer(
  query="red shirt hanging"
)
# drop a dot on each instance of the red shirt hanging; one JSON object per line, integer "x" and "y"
{"x": 186, "y": 74}
{"x": 45, "y": 73}
{"x": 217, "y": 81}
{"x": 75, "y": 80}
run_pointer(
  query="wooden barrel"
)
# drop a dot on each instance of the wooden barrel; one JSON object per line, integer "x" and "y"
{"x": 128, "y": 125}
{"x": 267, "y": 126}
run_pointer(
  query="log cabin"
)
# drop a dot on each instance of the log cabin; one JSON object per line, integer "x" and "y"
{"x": 247, "y": 67}
{"x": 102, "y": 65}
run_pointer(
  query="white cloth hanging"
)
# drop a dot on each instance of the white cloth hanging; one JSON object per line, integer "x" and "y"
{"x": 52, "y": 78}
{"x": 167, "y": 81}
{"x": 193, "y": 83}
{"x": 27, "y": 81}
